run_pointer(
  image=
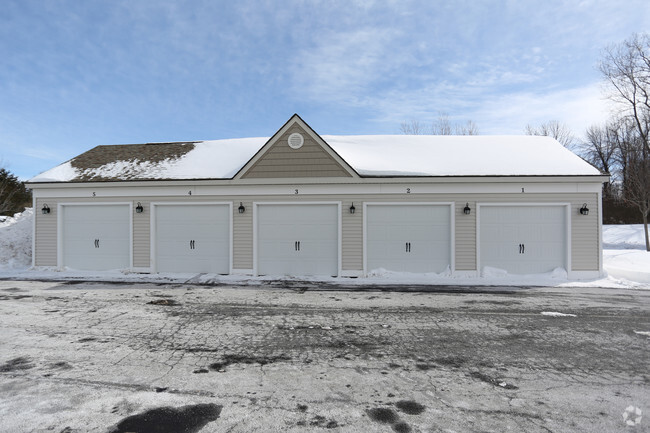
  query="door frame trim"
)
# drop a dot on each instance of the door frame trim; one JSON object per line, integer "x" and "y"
{"x": 152, "y": 229}
{"x": 567, "y": 228}
{"x": 59, "y": 227}
{"x": 338, "y": 204}
{"x": 452, "y": 228}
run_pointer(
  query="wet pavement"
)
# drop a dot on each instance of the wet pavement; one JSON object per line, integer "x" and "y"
{"x": 96, "y": 357}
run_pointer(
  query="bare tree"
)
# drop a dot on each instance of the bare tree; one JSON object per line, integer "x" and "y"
{"x": 413, "y": 127}
{"x": 469, "y": 128}
{"x": 626, "y": 68}
{"x": 600, "y": 149}
{"x": 555, "y": 129}
{"x": 441, "y": 126}
{"x": 637, "y": 191}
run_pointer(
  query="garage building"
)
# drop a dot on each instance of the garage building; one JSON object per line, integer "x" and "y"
{"x": 303, "y": 204}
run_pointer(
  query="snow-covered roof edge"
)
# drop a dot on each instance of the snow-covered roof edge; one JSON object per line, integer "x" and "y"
{"x": 365, "y": 155}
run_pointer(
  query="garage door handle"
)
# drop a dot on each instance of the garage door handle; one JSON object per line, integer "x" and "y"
{"x": 296, "y": 245}
{"x": 408, "y": 247}
{"x": 522, "y": 248}
{"x": 192, "y": 246}
{"x": 96, "y": 243}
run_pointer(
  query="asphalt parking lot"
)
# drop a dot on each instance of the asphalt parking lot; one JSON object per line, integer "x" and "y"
{"x": 98, "y": 357}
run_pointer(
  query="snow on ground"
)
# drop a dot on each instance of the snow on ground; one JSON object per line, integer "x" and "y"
{"x": 16, "y": 241}
{"x": 624, "y": 254}
{"x": 556, "y": 314}
{"x": 625, "y": 261}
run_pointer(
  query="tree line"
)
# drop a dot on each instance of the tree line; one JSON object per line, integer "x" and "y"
{"x": 620, "y": 147}
{"x": 14, "y": 196}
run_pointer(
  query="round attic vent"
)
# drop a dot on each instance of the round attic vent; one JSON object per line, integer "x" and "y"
{"x": 296, "y": 140}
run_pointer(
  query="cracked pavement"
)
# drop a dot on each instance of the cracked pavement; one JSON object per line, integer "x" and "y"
{"x": 81, "y": 357}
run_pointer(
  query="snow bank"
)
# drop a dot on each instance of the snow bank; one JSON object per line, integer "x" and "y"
{"x": 557, "y": 273}
{"x": 16, "y": 241}
{"x": 624, "y": 254}
{"x": 633, "y": 265}
{"x": 628, "y": 236}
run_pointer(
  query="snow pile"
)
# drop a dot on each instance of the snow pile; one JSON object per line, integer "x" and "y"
{"x": 620, "y": 236}
{"x": 16, "y": 241}
{"x": 624, "y": 254}
{"x": 557, "y": 273}
{"x": 381, "y": 273}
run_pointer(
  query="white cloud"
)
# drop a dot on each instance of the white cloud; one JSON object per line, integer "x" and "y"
{"x": 577, "y": 107}
{"x": 344, "y": 65}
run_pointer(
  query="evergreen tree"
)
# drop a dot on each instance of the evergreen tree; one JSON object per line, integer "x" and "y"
{"x": 14, "y": 196}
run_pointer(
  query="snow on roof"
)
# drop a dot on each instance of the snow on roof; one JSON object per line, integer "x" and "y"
{"x": 458, "y": 155}
{"x": 369, "y": 155}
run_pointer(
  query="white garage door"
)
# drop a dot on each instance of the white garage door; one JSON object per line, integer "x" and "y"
{"x": 192, "y": 238}
{"x": 408, "y": 237}
{"x": 523, "y": 239}
{"x": 299, "y": 239}
{"x": 96, "y": 237}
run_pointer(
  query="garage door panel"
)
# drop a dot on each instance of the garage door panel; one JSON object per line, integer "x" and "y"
{"x": 281, "y": 226}
{"x": 83, "y": 225}
{"x": 193, "y": 238}
{"x": 408, "y": 238}
{"x": 540, "y": 229}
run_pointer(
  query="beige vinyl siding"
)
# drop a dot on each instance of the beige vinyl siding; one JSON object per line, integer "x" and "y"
{"x": 281, "y": 161}
{"x": 45, "y": 233}
{"x": 584, "y": 229}
{"x": 585, "y": 233}
{"x": 242, "y": 235}
{"x": 465, "y": 231}
{"x": 142, "y": 242}
{"x": 352, "y": 234}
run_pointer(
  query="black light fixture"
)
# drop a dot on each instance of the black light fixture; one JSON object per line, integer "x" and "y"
{"x": 584, "y": 210}
{"x": 352, "y": 208}
{"x": 139, "y": 208}
{"x": 241, "y": 208}
{"x": 467, "y": 210}
{"x": 46, "y": 209}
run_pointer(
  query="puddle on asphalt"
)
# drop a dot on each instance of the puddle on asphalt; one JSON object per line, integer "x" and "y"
{"x": 20, "y": 363}
{"x": 164, "y": 302}
{"x": 492, "y": 381}
{"x": 383, "y": 415}
{"x": 401, "y": 427}
{"x": 243, "y": 359}
{"x": 13, "y": 297}
{"x": 410, "y": 407}
{"x": 184, "y": 419}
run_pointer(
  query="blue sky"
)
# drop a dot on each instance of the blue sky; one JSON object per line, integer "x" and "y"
{"x": 77, "y": 74}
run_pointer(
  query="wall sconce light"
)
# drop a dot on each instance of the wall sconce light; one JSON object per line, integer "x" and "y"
{"x": 467, "y": 210}
{"x": 352, "y": 208}
{"x": 139, "y": 208}
{"x": 241, "y": 208}
{"x": 584, "y": 210}
{"x": 46, "y": 209}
